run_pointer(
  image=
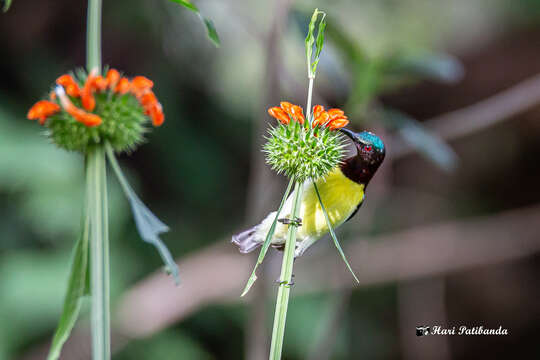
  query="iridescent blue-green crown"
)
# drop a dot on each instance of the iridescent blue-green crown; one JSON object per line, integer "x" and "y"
{"x": 372, "y": 139}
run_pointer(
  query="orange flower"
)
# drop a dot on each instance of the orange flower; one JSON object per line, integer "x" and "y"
{"x": 42, "y": 110}
{"x": 113, "y": 76}
{"x": 156, "y": 114}
{"x": 88, "y": 101}
{"x": 338, "y": 123}
{"x": 294, "y": 111}
{"x": 279, "y": 114}
{"x": 80, "y": 115}
{"x": 333, "y": 119}
{"x": 317, "y": 111}
{"x": 337, "y": 119}
{"x": 71, "y": 86}
{"x": 148, "y": 99}
{"x": 100, "y": 83}
{"x": 140, "y": 87}
{"x": 152, "y": 107}
{"x": 322, "y": 117}
{"x": 123, "y": 86}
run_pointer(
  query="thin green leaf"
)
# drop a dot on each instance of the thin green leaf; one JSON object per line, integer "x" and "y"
{"x": 319, "y": 43}
{"x": 211, "y": 31}
{"x": 77, "y": 289}
{"x": 148, "y": 225}
{"x": 428, "y": 144}
{"x": 267, "y": 241}
{"x": 310, "y": 41}
{"x": 333, "y": 234}
{"x": 7, "y": 4}
{"x": 187, "y": 4}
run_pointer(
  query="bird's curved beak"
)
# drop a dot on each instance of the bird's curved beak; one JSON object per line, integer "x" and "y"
{"x": 352, "y": 135}
{"x": 349, "y": 134}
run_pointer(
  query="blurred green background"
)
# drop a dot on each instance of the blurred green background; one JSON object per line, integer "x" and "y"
{"x": 449, "y": 233}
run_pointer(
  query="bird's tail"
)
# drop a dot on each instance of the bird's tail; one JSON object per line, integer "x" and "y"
{"x": 246, "y": 240}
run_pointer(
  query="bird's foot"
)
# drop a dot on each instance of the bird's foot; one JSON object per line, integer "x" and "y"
{"x": 291, "y": 222}
{"x": 285, "y": 282}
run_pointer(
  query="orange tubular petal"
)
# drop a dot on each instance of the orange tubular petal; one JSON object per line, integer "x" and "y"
{"x": 141, "y": 82}
{"x": 335, "y": 113}
{"x": 141, "y": 85}
{"x": 100, "y": 83}
{"x": 52, "y": 95}
{"x": 320, "y": 120}
{"x": 279, "y": 114}
{"x": 113, "y": 76}
{"x": 42, "y": 110}
{"x": 71, "y": 86}
{"x": 317, "y": 111}
{"x": 88, "y": 101}
{"x": 156, "y": 114}
{"x": 298, "y": 114}
{"x": 148, "y": 99}
{"x": 80, "y": 115}
{"x": 90, "y": 119}
{"x": 123, "y": 86}
{"x": 338, "y": 123}
{"x": 288, "y": 108}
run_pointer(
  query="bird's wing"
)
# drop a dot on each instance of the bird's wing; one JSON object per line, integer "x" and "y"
{"x": 356, "y": 210}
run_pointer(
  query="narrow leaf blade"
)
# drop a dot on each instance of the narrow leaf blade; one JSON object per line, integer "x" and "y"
{"x": 333, "y": 234}
{"x": 77, "y": 289}
{"x": 312, "y": 61}
{"x": 211, "y": 31}
{"x": 319, "y": 42}
{"x": 267, "y": 241}
{"x": 309, "y": 37}
{"x": 187, "y": 4}
{"x": 149, "y": 228}
{"x": 148, "y": 225}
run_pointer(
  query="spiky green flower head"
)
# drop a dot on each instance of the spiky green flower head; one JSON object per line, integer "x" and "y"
{"x": 88, "y": 109}
{"x": 301, "y": 150}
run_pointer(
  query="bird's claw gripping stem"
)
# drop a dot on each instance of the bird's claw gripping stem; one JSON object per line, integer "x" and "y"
{"x": 285, "y": 282}
{"x": 291, "y": 222}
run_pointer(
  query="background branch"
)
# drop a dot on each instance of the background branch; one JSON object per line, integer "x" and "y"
{"x": 471, "y": 119}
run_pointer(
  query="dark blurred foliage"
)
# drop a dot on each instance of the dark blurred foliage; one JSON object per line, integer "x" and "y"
{"x": 387, "y": 56}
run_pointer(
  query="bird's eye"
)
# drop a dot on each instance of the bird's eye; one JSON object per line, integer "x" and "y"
{"x": 368, "y": 148}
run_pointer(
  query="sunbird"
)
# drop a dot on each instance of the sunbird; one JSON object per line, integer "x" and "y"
{"x": 342, "y": 192}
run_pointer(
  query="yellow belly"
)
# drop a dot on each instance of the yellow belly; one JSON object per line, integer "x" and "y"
{"x": 340, "y": 195}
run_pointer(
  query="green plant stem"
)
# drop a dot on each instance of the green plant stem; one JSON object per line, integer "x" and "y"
{"x": 93, "y": 36}
{"x": 310, "y": 95}
{"x": 282, "y": 302}
{"x": 98, "y": 208}
{"x": 99, "y": 253}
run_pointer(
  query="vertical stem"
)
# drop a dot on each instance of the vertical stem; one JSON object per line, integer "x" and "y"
{"x": 99, "y": 254}
{"x": 97, "y": 197}
{"x": 93, "y": 35}
{"x": 282, "y": 302}
{"x": 310, "y": 95}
